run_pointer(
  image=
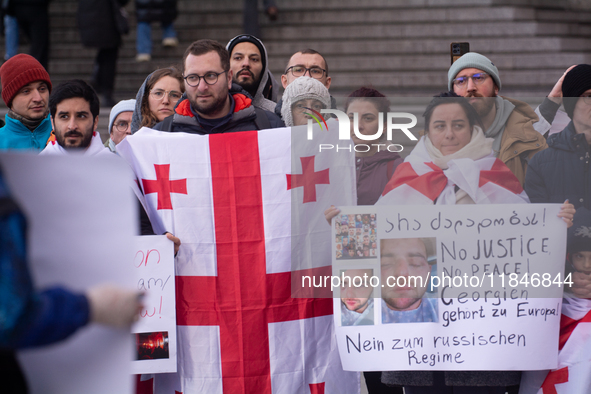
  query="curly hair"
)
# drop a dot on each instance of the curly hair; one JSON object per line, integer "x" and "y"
{"x": 148, "y": 118}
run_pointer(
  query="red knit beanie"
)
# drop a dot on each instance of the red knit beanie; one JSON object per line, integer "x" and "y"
{"x": 19, "y": 71}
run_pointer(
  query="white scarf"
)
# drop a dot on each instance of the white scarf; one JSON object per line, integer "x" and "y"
{"x": 96, "y": 147}
{"x": 473, "y": 169}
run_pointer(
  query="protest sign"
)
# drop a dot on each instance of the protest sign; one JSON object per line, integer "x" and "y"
{"x": 448, "y": 287}
{"x": 81, "y": 219}
{"x": 155, "y": 331}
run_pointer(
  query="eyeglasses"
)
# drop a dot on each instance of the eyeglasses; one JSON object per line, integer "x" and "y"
{"x": 478, "y": 79}
{"x": 301, "y": 108}
{"x": 300, "y": 71}
{"x": 587, "y": 99}
{"x": 173, "y": 95}
{"x": 122, "y": 126}
{"x": 210, "y": 78}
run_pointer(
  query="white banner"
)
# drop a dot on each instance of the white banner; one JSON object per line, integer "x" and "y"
{"x": 81, "y": 216}
{"x": 448, "y": 287}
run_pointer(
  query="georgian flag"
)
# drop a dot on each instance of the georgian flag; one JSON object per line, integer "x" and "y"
{"x": 573, "y": 374}
{"x": 228, "y": 197}
{"x": 420, "y": 181}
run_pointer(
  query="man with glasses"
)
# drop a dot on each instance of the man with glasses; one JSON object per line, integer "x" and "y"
{"x": 250, "y": 67}
{"x": 516, "y": 129}
{"x": 213, "y": 103}
{"x": 120, "y": 123}
{"x": 309, "y": 63}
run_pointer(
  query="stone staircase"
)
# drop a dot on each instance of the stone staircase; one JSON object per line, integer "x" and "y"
{"x": 399, "y": 46}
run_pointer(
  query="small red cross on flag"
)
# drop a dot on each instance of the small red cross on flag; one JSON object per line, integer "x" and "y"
{"x": 554, "y": 378}
{"x": 308, "y": 179}
{"x": 164, "y": 186}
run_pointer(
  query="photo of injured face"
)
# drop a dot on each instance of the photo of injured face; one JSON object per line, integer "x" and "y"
{"x": 406, "y": 266}
{"x": 356, "y": 302}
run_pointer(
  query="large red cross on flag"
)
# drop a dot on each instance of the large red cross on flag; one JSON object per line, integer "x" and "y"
{"x": 239, "y": 329}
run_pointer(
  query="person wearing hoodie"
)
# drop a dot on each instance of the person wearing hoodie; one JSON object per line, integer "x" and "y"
{"x": 213, "y": 104}
{"x": 516, "y": 129}
{"x": 250, "y": 67}
{"x": 157, "y": 97}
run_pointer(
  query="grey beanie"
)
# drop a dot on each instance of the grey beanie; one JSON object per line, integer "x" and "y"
{"x": 473, "y": 60}
{"x": 121, "y": 106}
{"x": 302, "y": 88}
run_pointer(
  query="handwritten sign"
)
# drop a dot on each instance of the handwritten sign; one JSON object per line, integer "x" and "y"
{"x": 466, "y": 287}
{"x": 155, "y": 331}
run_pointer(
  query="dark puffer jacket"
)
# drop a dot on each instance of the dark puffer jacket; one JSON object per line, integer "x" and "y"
{"x": 156, "y": 11}
{"x": 243, "y": 118}
{"x": 562, "y": 171}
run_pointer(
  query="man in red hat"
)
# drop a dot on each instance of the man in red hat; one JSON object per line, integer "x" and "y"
{"x": 25, "y": 90}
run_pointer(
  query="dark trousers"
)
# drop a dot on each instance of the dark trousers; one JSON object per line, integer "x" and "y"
{"x": 439, "y": 387}
{"x": 34, "y": 21}
{"x": 373, "y": 381}
{"x": 250, "y": 16}
{"x": 105, "y": 68}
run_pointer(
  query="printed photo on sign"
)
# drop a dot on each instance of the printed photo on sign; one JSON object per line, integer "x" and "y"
{"x": 355, "y": 236}
{"x": 357, "y": 302}
{"x": 152, "y": 345}
{"x": 407, "y": 265}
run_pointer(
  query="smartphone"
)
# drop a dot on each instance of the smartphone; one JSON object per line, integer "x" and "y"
{"x": 457, "y": 49}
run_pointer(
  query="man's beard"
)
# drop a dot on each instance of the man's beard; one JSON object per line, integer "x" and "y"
{"x": 210, "y": 109}
{"x": 84, "y": 143}
{"x": 484, "y": 105}
{"x": 401, "y": 304}
{"x": 251, "y": 85}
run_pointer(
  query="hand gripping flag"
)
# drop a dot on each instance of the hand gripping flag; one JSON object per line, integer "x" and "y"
{"x": 419, "y": 181}
{"x": 228, "y": 197}
{"x": 573, "y": 373}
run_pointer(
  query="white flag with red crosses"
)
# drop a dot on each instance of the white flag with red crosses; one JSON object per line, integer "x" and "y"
{"x": 573, "y": 374}
{"x": 228, "y": 197}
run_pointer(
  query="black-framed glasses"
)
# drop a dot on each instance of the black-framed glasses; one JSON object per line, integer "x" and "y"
{"x": 300, "y": 71}
{"x": 173, "y": 95}
{"x": 210, "y": 78}
{"x": 122, "y": 126}
{"x": 478, "y": 79}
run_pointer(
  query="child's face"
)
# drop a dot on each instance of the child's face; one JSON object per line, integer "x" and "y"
{"x": 582, "y": 261}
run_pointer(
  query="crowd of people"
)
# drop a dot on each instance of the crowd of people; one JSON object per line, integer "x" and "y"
{"x": 221, "y": 89}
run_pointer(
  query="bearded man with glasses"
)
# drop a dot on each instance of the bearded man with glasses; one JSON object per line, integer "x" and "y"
{"x": 214, "y": 104}
{"x": 516, "y": 128}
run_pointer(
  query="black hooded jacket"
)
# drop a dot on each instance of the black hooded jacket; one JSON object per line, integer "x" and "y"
{"x": 561, "y": 171}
